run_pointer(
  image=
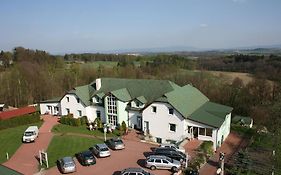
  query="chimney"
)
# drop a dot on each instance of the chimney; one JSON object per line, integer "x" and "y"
{"x": 98, "y": 84}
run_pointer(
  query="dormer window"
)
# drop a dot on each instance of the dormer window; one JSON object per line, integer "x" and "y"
{"x": 171, "y": 111}
{"x": 137, "y": 104}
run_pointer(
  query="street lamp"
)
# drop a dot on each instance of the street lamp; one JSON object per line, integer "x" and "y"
{"x": 104, "y": 131}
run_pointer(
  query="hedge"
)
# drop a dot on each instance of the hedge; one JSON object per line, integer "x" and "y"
{"x": 69, "y": 120}
{"x": 20, "y": 120}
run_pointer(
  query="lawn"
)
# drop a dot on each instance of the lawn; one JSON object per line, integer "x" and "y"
{"x": 61, "y": 128}
{"x": 11, "y": 139}
{"x": 65, "y": 145}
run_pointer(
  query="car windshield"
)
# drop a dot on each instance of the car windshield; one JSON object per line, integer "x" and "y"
{"x": 118, "y": 141}
{"x": 28, "y": 133}
{"x": 104, "y": 149}
{"x": 170, "y": 160}
{"x": 69, "y": 164}
{"x": 88, "y": 154}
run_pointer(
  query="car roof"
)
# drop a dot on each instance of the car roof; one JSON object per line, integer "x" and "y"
{"x": 31, "y": 128}
{"x": 167, "y": 144}
{"x": 101, "y": 145}
{"x": 67, "y": 159}
{"x": 157, "y": 156}
{"x": 86, "y": 152}
{"x": 133, "y": 170}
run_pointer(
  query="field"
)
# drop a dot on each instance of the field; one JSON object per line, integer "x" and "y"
{"x": 11, "y": 140}
{"x": 64, "y": 145}
{"x": 96, "y": 64}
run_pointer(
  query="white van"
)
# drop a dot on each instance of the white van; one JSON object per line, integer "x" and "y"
{"x": 30, "y": 134}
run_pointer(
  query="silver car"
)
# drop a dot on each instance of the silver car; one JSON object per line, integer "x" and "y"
{"x": 115, "y": 144}
{"x": 162, "y": 162}
{"x": 66, "y": 165}
{"x": 100, "y": 150}
{"x": 134, "y": 171}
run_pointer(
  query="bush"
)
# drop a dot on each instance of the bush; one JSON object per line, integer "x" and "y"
{"x": 207, "y": 148}
{"x": 69, "y": 120}
{"x": 84, "y": 120}
{"x": 123, "y": 127}
{"x": 21, "y": 120}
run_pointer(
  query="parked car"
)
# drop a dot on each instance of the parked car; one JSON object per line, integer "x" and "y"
{"x": 173, "y": 154}
{"x": 66, "y": 165}
{"x": 134, "y": 171}
{"x": 175, "y": 147}
{"x": 30, "y": 134}
{"x": 162, "y": 162}
{"x": 100, "y": 150}
{"x": 115, "y": 144}
{"x": 86, "y": 158}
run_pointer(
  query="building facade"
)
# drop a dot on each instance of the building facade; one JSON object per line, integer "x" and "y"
{"x": 161, "y": 109}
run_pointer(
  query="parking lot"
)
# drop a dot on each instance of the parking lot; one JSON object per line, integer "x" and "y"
{"x": 132, "y": 156}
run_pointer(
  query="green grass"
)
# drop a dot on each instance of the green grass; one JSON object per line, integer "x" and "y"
{"x": 11, "y": 139}
{"x": 96, "y": 64}
{"x": 61, "y": 128}
{"x": 64, "y": 145}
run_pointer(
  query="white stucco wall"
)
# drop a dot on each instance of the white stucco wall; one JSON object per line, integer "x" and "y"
{"x": 122, "y": 114}
{"x": 159, "y": 122}
{"x": 91, "y": 113}
{"x": 133, "y": 118}
{"x": 224, "y": 130}
{"x": 44, "y": 108}
{"x": 72, "y": 105}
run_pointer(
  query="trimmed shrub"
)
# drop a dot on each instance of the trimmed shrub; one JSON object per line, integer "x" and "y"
{"x": 69, "y": 120}
{"x": 21, "y": 120}
{"x": 84, "y": 120}
{"x": 123, "y": 127}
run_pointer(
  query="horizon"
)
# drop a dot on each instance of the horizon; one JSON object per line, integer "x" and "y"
{"x": 62, "y": 27}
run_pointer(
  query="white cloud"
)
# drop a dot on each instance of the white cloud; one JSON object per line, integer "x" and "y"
{"x": 203, "y": 25}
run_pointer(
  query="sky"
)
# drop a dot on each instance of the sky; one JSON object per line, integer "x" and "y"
{"x": 75, "y": 26}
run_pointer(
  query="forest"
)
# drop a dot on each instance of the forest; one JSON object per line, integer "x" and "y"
{"x": 30, "y": 76}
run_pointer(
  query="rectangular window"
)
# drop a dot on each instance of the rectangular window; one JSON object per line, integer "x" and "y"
{"x": 172, "y": 127}
{"x": 98, "y": 114}
{"x": 78, "y": 100}
{"x": 56, "y": 109}
{"x": 209, "y": 132}
{"x": 202, "y": 131}
{"x": 171, "y": 111}
{"x": 158, "y": 140}
{"x": 79, "y": 113}
{"x": 154, "y": 109}
{"x": 67, "y": 111}
{"x": 112, "y": 119}
{"x": 67, "y": 99}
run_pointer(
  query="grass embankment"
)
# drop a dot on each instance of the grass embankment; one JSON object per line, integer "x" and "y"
{"x": 11, "y": 139}
{"x": 61, "y": 128}
{"x": 65, "y": 145}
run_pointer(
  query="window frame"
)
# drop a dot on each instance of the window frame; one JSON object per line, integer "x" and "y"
{"x": 175, "y": 127}
{"x": 171, "y": 109}
{"x": 67, "y": 99}
{"x": 154, "y": 109}
{"x": 79, "y": 113}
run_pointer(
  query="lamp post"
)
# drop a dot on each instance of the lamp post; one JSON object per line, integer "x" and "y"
{"x": 104, "y": 131}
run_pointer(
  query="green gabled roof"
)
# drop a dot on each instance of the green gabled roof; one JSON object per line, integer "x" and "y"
{"x": 142, "y": 99}
{"x": 149, "y": 89}
{"x": 211, "y": 114}
{"x": 53, "y": 100}
{"x": 242, "y": 119}
{"x": 83, "y": 92}
{"x": 186, "y": 99}
{"x": 122, "y": 94}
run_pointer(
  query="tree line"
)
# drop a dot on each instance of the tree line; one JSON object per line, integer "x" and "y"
{"x": 36, "y": 75}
